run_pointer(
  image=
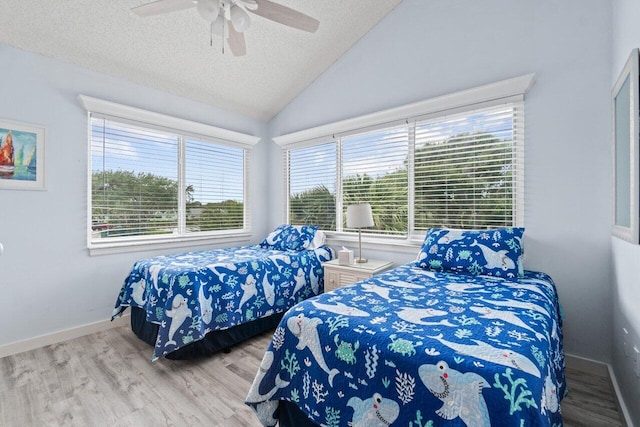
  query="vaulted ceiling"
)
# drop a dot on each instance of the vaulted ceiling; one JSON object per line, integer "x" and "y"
{"x": 173, "y": 52}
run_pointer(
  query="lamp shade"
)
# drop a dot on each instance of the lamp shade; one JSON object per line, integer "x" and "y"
{"x": 359, "y": 216}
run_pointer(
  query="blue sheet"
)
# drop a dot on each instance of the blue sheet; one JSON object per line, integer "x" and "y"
{"x": 416, "y": 348}
{"x": 192, "y": 293}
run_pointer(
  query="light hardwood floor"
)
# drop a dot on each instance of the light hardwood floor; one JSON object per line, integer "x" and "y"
{"x": 107, "y": 379}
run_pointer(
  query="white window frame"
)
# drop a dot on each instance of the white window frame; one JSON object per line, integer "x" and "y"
{"x": 185, "y": 128}
{"x": 502, "y": 92}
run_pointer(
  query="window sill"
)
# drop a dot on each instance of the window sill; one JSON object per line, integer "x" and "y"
{"x": 108, "y": 248}
{"x": 408, "y": 245}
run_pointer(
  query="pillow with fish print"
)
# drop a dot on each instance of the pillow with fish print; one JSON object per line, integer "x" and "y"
{"x": 276, "y": 239}
{"x": 290, "y": 237}
{"x": 494, "y": 252}
{"x": 300, "y": 237}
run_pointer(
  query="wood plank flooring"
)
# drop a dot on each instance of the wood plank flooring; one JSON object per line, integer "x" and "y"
{"x": 107, "y": 379}
{"x": 590, "y": 402}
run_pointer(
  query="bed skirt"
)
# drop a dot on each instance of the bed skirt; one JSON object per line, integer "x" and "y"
{"x": 292, "y": 416}
{"x": 213, "y": 342}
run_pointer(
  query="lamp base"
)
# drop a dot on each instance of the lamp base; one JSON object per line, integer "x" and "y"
{"x": 360, "y": 260}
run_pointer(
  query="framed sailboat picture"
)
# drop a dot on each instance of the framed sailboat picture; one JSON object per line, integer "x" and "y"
{"x": 22, "y": 156}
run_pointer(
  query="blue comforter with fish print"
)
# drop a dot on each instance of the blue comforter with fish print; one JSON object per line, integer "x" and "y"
{"x": 412, "y": 347}
{"x": 192, "y": 293}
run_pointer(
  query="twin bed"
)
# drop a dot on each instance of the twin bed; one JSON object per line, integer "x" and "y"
{"x": 197, "y": 303}
{"x": 463, "y": 336}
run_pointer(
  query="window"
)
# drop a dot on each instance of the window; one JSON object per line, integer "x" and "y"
{"x": 457, "y": 167}
{"x": 464, "y": 170}
{"x": 150, "y": 183}
{"x": 312, "y": 184}
{"x": 374, "y": 170}
{"x": 134, "y": 181}
{"x": 214, "y": 176}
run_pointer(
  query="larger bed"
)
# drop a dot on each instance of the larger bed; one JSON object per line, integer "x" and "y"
{"x": 417, "y": 347}
{"x": 199, "y": 302}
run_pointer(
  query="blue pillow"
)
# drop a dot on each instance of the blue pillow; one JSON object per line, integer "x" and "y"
{"x": 275, "y": 239}
{"x": 289, "y": 237}
{"x": 300, "y": 237}
{"x": 495, "y": 252}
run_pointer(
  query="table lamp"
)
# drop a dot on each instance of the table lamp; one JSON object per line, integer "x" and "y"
{"x": 359, "y": 216}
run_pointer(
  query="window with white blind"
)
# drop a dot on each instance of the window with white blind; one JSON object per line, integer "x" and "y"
{"x": 149, "y": 183}
{"x": 465, "y": 169}
{"x": 458, "y": 167}
{"x": 312, "y": 176}
{"x": 374, "y": 170}
{"x": 139, "y": 186}
{"x": 214, "y": 177}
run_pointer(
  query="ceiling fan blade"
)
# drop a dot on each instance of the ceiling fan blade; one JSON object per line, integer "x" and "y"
{"x": 236, "y": 41}
{"x": 162, "y": 6}
{"x": 285, "y": 15}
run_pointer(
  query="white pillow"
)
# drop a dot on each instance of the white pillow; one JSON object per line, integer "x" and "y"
{"x": 318, "y": 240}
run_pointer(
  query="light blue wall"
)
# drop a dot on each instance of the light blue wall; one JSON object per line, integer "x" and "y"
{"x": 626, "y": 257}
{"x": 425, "y": 49}
{"x": 48, "y": 282}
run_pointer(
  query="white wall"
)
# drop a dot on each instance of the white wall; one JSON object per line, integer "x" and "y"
{"x": 626, "y": 257}
{"x": 48, "y": 282}
{"x": 425, "y": 49}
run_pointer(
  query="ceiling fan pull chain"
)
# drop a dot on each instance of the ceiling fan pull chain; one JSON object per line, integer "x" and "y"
{"x": 211, "y": 34}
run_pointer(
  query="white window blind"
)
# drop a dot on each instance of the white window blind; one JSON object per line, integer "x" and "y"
{"x": 374, "y": 170}
{"x": 214, "y": 186}
{"x": 312, "y": 185}
{"x": 147, "y": 182}
{"x": 466, "y": 169}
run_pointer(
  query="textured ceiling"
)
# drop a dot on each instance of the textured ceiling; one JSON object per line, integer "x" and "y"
{"x": 172, "y": 52}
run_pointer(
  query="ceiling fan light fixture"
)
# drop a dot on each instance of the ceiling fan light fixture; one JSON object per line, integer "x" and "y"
{"x": 240, "y": 19}
{"x": 217, "y": 26}
{"x": 229, "y": 18}
{"x": 250, "y": 4}
{"x": 208, "y": 9}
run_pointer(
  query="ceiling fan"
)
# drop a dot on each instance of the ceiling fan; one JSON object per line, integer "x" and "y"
{"x": 229, "y": 18}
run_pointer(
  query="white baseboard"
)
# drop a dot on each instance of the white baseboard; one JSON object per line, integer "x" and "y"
{"x": 621, "y": 405}
{"x": 603, "y": 370}
{"x": 586, "y": 365}
{"x": 60, "y": 336}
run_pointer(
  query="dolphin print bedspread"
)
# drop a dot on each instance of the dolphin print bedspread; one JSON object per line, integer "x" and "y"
{"x": 192, "y": 293}
{"x": 416, "y": 348}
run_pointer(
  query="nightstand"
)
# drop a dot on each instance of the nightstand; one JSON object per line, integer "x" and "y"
{"x": 336, "y": 275}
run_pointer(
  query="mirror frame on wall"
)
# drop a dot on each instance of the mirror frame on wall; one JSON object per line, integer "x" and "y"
{"x": 626, "y": 194}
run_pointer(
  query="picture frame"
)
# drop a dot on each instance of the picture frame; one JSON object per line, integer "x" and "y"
{"x": 22, "y": 156}
{"x": 626, "y": 166}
